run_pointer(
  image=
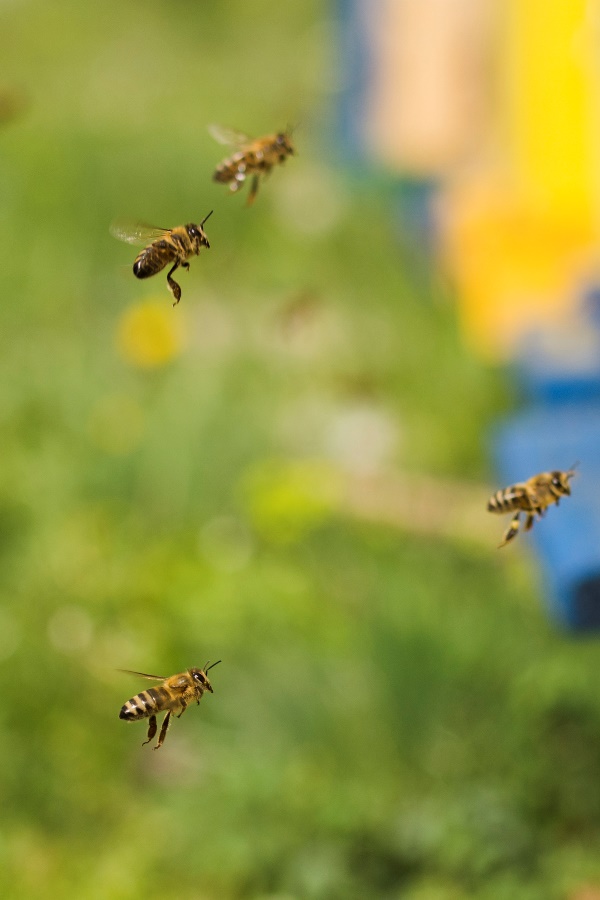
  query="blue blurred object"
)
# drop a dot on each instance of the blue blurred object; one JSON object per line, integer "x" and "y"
{"x": 416, "y": 204}
{"x": 355, "y": 53}
{"x": 567, "y": 539}
{"x": 591, "y": 303}
{"x": 412, "y": 196}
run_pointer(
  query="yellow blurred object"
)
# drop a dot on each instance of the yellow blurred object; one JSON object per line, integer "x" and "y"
{"x": 149, "y": 335}
{"x": 516, "y": 264}
{"x": 552, "y": 101}
{"x": 522, "y": 241}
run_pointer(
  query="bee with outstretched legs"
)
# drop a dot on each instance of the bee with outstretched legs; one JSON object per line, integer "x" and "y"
{"x": 174, "y": 696}
{"x": 254, "y": 157}
{"x": 164, "y": 246}
{"x": 532, "y": 497}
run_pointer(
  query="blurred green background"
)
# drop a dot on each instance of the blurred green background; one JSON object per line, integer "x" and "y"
{"x": 394, "y": 715}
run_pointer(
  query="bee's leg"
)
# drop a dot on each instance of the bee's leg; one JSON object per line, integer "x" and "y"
{"x": 511, "y": 531}
{"x": 173, "y": 286}
{"x": 151, "y": 729}
{"x": 186, "y": 266}
{"x": 253, "y": 190}
{"x": 183, "y": 709}
{"x": 528, "y": 521}
{"x": 163, "y": 730}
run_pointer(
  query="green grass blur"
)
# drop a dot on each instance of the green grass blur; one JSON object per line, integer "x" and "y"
{"x": 394, "y": 715}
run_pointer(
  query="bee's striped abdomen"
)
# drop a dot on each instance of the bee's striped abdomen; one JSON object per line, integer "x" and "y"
{"x": 153, "y": 259}
{"x": 226, "y": 171}
{"x": 144, "y": 704}
{"x": 505, "y": 500}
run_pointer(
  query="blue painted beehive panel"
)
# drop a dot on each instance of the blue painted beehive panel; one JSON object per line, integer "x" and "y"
{"x": 355, "y": 63}
{"x": 567, "y": 539}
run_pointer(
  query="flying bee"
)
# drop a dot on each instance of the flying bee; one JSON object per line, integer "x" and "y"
{"x": 531, "y": 497}
{"x": 174, "y": 695}
{"x": 164, "y": 246}
{"x": 254, "y": 157}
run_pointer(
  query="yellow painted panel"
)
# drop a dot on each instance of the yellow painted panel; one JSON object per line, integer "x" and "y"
{"x": 516, "y": 265}
{"x": 550, "y": 100}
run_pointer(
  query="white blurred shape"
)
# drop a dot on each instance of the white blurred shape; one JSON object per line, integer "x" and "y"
{"x": 362, "y": 438}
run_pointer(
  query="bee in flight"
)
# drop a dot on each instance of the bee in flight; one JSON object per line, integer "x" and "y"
{"x": 531, "y": 497}
{"x": 174, "y": 695}
{"x": 164, "y": 246}
{"x": 253, "y": 157}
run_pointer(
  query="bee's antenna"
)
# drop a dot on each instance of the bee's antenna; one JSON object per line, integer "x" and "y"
{"x": 207, "y": 667}
{"x": 571, "y": 471}
{"x": 202, "y": 223}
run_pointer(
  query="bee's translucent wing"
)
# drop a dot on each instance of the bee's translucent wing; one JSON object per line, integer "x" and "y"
{"x": 228, "y": 135}
{"x": 143, "y": 674}
{"x": 136, "y": 232}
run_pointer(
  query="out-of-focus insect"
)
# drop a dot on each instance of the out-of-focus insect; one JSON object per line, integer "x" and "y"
{"x": 254, "y": 157}
{"x": 174, "y": 695}
{"x": 530, "y": 497}
{"x": 165, "y": 245}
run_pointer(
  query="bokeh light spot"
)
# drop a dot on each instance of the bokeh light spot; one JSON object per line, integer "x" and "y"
{"x": 149, "y": 334}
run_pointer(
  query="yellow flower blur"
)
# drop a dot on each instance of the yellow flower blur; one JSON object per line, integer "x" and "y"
{"x": 149, "y": 335}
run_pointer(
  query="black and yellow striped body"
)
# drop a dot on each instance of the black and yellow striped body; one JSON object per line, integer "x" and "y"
{"x": 256, "y": 158}
{"x": 248, "y": 162}
{"x": 147, "y": 703}
{"x": 164, "y": 246}
{"x": 176, "y": 245}
{"x": 173, "y": 696}
{"x": 531, "y": 497}
{"x": 514, "y": 497}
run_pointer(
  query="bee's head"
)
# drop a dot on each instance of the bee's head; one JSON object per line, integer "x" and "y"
{"x": 284, "y": 143}
{"x": 200, "y": 677}
{"x": 560, "y": 480}
{"x": 196, "y": 232}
